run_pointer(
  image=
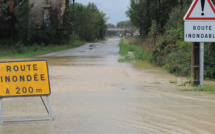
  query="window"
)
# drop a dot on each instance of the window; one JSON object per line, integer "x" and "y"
{"x": 46, "y": 16}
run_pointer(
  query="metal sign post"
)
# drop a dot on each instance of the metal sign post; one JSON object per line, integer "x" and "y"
{"x": 1, "y": 109}
{"x": 202, "y": 64}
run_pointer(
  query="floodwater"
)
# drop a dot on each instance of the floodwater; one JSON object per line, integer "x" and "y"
{"x": 94, "y": 94}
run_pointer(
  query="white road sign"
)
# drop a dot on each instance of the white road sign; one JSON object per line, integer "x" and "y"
{"x": 199, "y": 23}
{"x": 199, "y": 31}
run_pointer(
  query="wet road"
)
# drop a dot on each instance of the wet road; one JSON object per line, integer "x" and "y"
{"x": 94, "y": 94}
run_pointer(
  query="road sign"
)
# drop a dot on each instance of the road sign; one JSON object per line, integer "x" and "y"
{"x": 200, "y": 22}
{"x": 24, "y": 78}
{"x": 199, "y": 31}
{"x": 199, "y": 27}
{"x": 201, "y": 10}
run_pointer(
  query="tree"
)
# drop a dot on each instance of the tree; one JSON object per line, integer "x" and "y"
{"x": 89, "y": 22}
{"x": 22, "y": 13}
{"x": 136, "y": 14}
{"x": 7, "y": 22}
{"x": 124, "y": 24}
{"x": 109, "y": 25}
{"x": 143, "y": 12}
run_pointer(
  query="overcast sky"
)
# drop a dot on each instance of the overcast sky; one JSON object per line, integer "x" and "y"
{"x": 114, "y": 9}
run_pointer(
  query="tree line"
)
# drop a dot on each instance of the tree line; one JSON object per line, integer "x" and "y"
{"x": 122, "y": 24}
{"x": 144, "y": 14}
{"x": 86, "y": 23}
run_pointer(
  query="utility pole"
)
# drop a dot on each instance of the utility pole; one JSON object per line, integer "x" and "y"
{"x": 73, "y": 5}
{"x": 73, "y": 11}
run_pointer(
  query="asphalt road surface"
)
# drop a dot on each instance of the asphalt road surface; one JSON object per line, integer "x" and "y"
{"x": 92, "y": 93}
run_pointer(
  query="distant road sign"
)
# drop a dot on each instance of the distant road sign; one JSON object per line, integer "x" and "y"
{"x": 24, "y": 78}
{"x": 201, "y": 10}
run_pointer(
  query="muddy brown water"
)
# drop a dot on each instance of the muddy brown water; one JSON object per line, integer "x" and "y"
{"x": 94, "y": 94}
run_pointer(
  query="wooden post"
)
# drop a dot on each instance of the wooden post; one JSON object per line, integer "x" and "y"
{"x": 195, "y": 64}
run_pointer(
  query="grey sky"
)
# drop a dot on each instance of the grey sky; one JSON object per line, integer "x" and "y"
{"x": 115, "y": 9}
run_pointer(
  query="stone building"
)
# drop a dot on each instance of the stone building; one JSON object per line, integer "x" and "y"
{"x": 42, "y": 9}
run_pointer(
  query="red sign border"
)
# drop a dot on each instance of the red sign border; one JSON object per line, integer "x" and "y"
{"x": 187, "y": 17}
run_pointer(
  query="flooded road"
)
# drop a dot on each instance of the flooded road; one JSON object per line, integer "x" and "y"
{"x": 94, "y": 94}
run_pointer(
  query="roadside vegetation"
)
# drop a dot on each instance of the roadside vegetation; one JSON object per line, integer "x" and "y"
{"x": 34, "y": 50}
{"x": 20, "y": 36}
{"x": 209, "y": 89}
{"x": 133, "y": 51}
{"x": 161, "y": 42}
{"x": 130, "y": 52}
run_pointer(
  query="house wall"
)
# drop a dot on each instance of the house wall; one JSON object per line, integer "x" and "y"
{"x": 38, "y": 7}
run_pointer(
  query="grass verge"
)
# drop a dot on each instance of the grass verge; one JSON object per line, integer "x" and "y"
{"x": 129, "y": 52}
{"x": 209, "y": 89}
{"x": 21, "y": 51}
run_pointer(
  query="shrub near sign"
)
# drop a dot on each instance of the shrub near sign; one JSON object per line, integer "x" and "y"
{"x": 24, "y": 78}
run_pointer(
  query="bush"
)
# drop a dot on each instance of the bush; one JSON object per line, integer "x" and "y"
{"x": 74, "y": 37}
{"x": 172, "y": 53}
{"x": 20, "y": 48}
{"x": 209, "y": 61}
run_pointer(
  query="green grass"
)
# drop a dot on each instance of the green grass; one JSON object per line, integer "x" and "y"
{"x": 209, "y": 89}
{"x": 21, "y": 51}
{"x": 129, "y": 52}
{"x": 173, "y": 82}
{"x": 156, "y": 83}
{"x": 186, "y": 90}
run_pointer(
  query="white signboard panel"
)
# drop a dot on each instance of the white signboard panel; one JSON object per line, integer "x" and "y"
{"x": 199, "y": 31}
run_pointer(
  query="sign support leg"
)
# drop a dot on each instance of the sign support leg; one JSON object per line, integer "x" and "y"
{"x": 44, "y": 104}
{"x": 202, "y": 64}
{"x": 50, "y": 108}
{"x": 1, "y": 109}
